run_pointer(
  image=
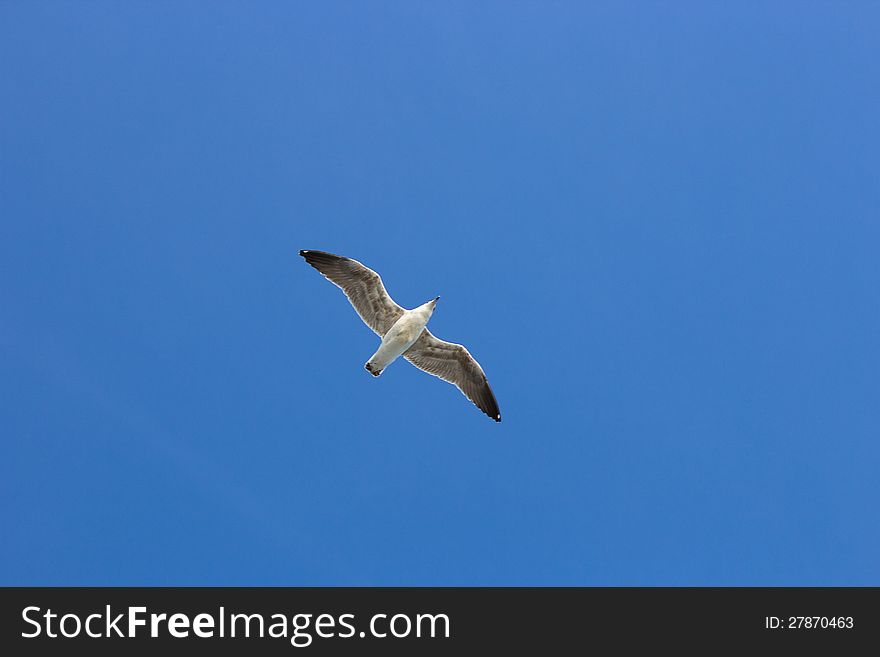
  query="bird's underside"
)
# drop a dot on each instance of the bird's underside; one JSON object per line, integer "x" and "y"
{"x": 403, "y": 332}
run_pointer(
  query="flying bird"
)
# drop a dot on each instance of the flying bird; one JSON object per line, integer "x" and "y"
{"x": 403, "y": 331}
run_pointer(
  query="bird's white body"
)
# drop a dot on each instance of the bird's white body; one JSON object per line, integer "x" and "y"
{"x": 400, "y": 337}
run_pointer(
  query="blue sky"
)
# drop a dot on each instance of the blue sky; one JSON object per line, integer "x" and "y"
{"x": 655, "y": 226}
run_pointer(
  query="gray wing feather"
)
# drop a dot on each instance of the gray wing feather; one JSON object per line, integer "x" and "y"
{"x": 453, "y": 363}
{"x": 361, "y": 285}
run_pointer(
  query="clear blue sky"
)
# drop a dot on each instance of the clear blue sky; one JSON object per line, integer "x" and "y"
{"x": 655, "y": 225}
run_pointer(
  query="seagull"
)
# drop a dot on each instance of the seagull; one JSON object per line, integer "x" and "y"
{"x": 403, "y": 331}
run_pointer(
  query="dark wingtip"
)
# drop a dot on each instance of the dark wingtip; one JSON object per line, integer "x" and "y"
{"x": 320, "y": 256}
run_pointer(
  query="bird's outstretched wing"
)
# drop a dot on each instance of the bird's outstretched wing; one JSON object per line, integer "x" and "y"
{"x": 453, "y": 363}
{"x": 361, "y": 285}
